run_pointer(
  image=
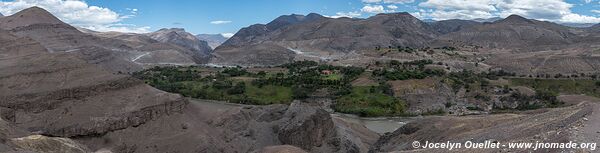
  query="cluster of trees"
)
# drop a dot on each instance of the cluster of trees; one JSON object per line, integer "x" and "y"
{"x": 541, "y": 99}
{"x": 304, "y": 77}
{"x": 370, "y": 102}
{"x": 234, "y": 71}
{"x": 494, "y": 75}
{"x": 397, "y": 70}
{"x": 449, "y": 48}
{"x": 560, "y": 75}
{"x": 167, "y": 78}
{"x": 167, "y": 74}
{"x": 408, "y": 49}
{"x": 407, "y": 74}
{"x": 463, "y": 79}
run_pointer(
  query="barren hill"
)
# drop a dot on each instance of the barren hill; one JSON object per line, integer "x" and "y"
{"x": 513, "y": 32}
{"x": 115, "y": 55}
{"x": 27, "y": 17}
{"x": 447, "y": 26}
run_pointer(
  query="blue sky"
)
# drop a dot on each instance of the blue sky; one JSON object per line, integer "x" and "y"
{"x": 228, "y": 16}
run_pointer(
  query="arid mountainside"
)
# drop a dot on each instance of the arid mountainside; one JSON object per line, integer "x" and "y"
{"x": 200, "y": 50}
{"x": 536, "y": 48}
{"x": 213, "y": 40}
{"x": 513, "y": 32}
{"x": 516, "y": 44}
{"x": 57, "y": 102}
{"x": 116, "y": 55}
{"x": 317, "y": 36}
{"x": 59, "y": 94}
{"x": 447, "y": 26}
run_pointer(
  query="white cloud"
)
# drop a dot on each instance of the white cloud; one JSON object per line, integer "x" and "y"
{"x": 132, "y": 10}
{"x": 481, "y": 5}
{"x": 398, "y": 1}
{"x": 587, "y": 1}
{"x": 75, "y": 12}
{"x": 418, "y": 15}
{"x": 373, "y": 9}
{"x": 459, "y": 14}
{"x": 458, "y": 9}
{"x": 538, "y": 9}
{"x": 389, "y": 1}
{"x": 227, "y": 35}
{"x": 346, "y": 14}
{"x": 220, "y": 22}
{"x": 119, "y": 28}
{"x": 595, "y": 11}
{"x": 576, "y": 18}
{"x": 393, "y": 7}
{"x": 547, "y": 10}
{"x": 371, "y": 1}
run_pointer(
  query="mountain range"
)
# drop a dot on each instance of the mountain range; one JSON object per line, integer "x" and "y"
{"x": 118, "y": 52}
{"x": 319, "y": 36}
{"x": 348, "y": 40}
{"x": 214, "y": 40}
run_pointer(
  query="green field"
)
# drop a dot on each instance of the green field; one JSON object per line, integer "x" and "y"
{"x": 573, "y": 86}
{"x": 269, "y": 94}
{"x": 334, "y": 76}
{"x": 367, "y": 101}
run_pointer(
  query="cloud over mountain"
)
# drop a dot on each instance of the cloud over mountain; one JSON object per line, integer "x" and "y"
{"x": 547, "y": 10}
{"x": 78, "y": 13}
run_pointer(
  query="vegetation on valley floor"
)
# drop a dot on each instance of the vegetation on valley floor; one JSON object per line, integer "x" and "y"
{"x": 303, "y": 78}
{"x": 589, "y": 87}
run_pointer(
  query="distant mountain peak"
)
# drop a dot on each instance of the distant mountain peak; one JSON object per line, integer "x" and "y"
{"x": 286, "y": 20}
{"x": 314, "y": 15}
{"x": 29, "y": 16}
{"x": 172, "y": 29}
{"x": 37, "y": 12}
{"x": 515, "y": 19}
{"x": 396, "y": 14}
{"x": 494, "y": 19}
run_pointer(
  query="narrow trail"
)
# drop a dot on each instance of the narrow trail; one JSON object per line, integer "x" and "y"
{"x": 139, "y": 56}
{"x": 590, "y": 132}
{"x": 588, "y": 129}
